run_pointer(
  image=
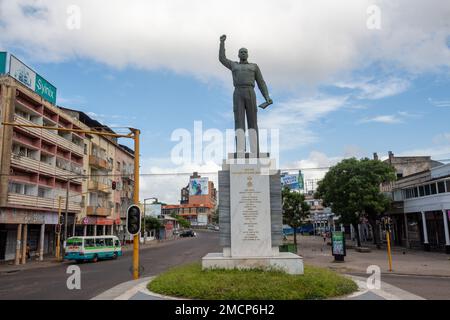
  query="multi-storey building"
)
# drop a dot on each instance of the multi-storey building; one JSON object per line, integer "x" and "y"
{"x": 198, "y": 209}
{"x": 424, "y": 199}
{"x": 37, "y": 166}
{"x": 107, "y": 162}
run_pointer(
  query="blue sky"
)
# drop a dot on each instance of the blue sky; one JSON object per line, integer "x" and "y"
{"x": 340, "y": 89}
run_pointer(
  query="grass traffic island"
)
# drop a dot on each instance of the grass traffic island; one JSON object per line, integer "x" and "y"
{"x": 190, "y": 281}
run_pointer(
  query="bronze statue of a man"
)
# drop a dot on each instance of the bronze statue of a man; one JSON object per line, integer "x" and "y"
{"x": 244, "y": 99}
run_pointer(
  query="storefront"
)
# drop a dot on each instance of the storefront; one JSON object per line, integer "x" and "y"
{"x": 36, "y": 230}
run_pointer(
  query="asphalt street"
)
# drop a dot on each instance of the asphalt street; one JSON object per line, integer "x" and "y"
{"x": 428, "y": 287}
{"x": 50, "y": 282}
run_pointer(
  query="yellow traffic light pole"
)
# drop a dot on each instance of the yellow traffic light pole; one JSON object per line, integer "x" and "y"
{"x": 136, "y": 237}
{"x": 134, "y": 134}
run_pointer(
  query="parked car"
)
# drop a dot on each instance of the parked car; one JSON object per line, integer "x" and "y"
{"x": 213, "y": 227}
{"x": 187, "y": 233}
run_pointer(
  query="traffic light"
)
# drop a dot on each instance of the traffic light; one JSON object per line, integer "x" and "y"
{"x": 133, "y": 219}
{"x": 113, "y": 185}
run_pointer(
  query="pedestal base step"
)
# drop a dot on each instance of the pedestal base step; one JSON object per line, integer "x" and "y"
{"x": 285, "y": 261}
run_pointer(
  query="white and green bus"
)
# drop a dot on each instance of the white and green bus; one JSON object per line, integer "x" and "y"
{"x": 92, "y": 248}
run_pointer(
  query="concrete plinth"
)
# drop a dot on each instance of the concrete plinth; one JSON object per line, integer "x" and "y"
{"x": 285, "y": 261}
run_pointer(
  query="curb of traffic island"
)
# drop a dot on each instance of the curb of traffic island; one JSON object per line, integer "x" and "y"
{"x": 386, "y": 291}
{"x": 145, "y": 290}
{"x": 127, "y": 290}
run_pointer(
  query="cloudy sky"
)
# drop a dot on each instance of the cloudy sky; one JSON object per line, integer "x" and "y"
{"x": 347, "y": 78}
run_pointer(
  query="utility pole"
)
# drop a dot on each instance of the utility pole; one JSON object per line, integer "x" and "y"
{"x": 145, "y": 210}
{"x": 58, "y": 231}
{"x": 67, "y": 209}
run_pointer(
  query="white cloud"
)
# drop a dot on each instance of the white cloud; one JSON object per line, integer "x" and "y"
{"x": 375, "y": 89}
{"x": 294, "y": 119}
{"x": 295, "y": 42}
{"x": 439, "y": 103}
{"x": 387, "y": 119}
{"x": 443, "y": 138}
{"x": 166, "y": 180}
{"x": 399, "y": 117}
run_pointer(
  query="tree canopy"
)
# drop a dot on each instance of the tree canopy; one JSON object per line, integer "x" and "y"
{"x": 352, "y": 189}
{"x": 295, "y": 209}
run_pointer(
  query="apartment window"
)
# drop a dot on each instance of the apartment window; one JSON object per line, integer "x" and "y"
{"x": 16, "y": 188}
{"x": 433, "y": 188}
{"x": 118, "y": 166}
{"x": 441, "y": 187}
{"x": 416, "y": 192}
{"x": 427, "y": 190}
{"x": 447, "y": 184}
{"x": 85, "y": 149}
{"x": 45, "y": 158}
{"x": 421, "y": 191}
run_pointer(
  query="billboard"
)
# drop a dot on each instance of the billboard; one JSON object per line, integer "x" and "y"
{"x": 31, "y": 79}
{"x": 2, "y": 62}
{"x": 198, "y": 187}
{"x": 292, "y": 181}
{"x": 153, "y": 210}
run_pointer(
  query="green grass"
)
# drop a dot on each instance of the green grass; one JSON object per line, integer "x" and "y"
{"x": 190, "y": 281}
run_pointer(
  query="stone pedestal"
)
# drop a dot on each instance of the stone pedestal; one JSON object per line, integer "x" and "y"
{"x": 250, "y": 217}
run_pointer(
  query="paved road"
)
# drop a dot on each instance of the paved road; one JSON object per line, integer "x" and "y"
{"x": 428, "y": 287}
{"x": 50, "y": 283}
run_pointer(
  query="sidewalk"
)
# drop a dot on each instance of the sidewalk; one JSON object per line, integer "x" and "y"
{"x": 50, "y": 260}
{"x": 404, "y": 261}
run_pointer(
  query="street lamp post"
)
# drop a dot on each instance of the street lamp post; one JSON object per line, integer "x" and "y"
{"x": 145, "y": 210}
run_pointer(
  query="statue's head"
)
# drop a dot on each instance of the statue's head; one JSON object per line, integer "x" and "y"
{"x": 243, "y": 54}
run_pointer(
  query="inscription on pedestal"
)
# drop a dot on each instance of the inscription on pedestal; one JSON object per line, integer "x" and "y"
{"x": 250, "y": 211}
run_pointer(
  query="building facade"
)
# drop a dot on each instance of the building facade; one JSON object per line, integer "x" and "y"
{"x": 409, "y": 168}
{"x": 44, "y": 171}
{"x": 424, "y": 198}
{"x": 37, "y": 167}
{"x": 107, "y": 163}
{"x": 197, "y": 209}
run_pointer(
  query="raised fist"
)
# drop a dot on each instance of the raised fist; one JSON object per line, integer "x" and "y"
{"x": 223, "y": 38}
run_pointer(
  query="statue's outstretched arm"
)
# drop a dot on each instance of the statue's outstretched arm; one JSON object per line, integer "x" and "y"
{"x": 222, "y": 58}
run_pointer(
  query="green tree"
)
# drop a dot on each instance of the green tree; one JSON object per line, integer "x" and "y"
{"x": 215, "y": 216}
{"x": 152, "y": 223}
{"x": 352, "y": 189}
{"x": 181, "y": 221}
{"x": 295, "y": 209}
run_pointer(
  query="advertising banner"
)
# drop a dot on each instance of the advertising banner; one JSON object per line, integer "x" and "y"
{"x": 292, "y": 181}
{"x": 198, "y": 187}
{"x": 32, "y": 80}
{"x": 22, "y": 73}
{"x": 2, "y": 62}
{"x": 45, "y": 89}
{"x": 338, "y": 243}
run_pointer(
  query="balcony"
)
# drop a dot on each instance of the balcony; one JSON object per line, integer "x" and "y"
{"x": 98, "y": 211}
{"x": 50, "y": 135}
{"x": 15, "y": 199}
{"x": 99, "y": 186}
{"x": 99, "y": 163}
